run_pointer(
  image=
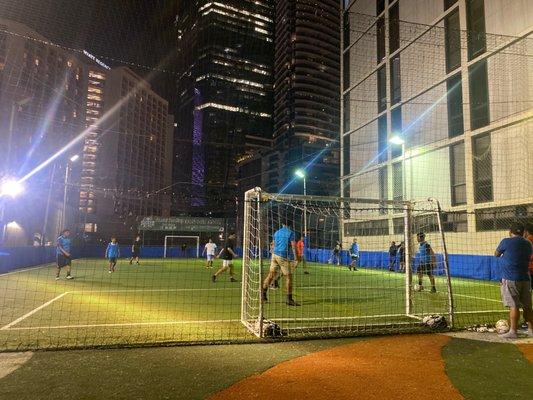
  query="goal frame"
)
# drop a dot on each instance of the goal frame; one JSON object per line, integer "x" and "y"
{"x": 253, "y": 317}
{"x": 165, "y": 246}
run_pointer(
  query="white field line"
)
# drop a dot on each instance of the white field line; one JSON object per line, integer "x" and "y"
{"x": 151, "y": 290}
{"x": 476, "y": 297}
{"x": 18, "y": 271}
{"x": 338, "y": 318}
{"x": 481, "y": 312}
{"x": 126, "y": 324}
{"x": 8, "y": 326}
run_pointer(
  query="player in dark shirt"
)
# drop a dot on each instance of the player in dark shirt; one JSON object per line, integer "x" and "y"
{"x": 227, "y": 254}
{"x": 393, "y": 250}
{"x": 136, "y": 250}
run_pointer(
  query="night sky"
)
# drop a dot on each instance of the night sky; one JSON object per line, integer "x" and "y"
{"x": 129, "y": 31}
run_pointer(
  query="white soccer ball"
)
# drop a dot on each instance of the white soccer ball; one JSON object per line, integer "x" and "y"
{"x": 417, "y": 287}
{"x": 502, "y": 326}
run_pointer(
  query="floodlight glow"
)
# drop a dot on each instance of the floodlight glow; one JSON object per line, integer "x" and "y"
{"x": 13, "y": 225}
{"x": 11, "y": 188}
{"x": 396, "y": 140}
{"x": 74, "y": 158}
{"x": 299, "y": 173}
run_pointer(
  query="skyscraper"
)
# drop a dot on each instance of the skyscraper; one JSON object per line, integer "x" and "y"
{"x": 225, "y": 52}
{"x": 307, "y": 92}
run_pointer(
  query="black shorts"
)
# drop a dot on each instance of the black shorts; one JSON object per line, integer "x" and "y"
{"x": 425, "y": 268}
{"x": 113, "y": 260}
{"x": 136, "y": 254}
{"x": 63, "y": 261}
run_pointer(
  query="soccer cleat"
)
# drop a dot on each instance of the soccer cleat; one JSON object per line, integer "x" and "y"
{"x": 70, "y": 277}
{"x": 110, "y": 271}
{"x": 214, "y": 278}
{"x": 292, "y": 303}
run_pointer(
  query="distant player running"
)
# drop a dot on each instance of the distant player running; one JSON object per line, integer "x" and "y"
{"x": 209, "y": 251}
{"x": 64, "y": 258}
{"x": 136, "y": 250}
{"x": 283, "y": 253}
{"x": 354, "y": 255}
{"x": 227, "y": 254}
{"x": 426, "y": 261}
{"x": 112, "y": 253}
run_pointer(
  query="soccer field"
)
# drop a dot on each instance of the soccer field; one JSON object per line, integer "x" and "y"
{"x": 174, "y": 300}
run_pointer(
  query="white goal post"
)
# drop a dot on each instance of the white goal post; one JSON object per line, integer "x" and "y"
{"x": 167, "y": 237}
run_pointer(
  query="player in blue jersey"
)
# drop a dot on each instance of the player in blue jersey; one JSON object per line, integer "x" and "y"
{"x": 354, "y": 255}
{"x": 112, "y": 253}
{"x": 426, "y": 261}
{"x": 64, "y": 257}
{"x": 283, "y": 257}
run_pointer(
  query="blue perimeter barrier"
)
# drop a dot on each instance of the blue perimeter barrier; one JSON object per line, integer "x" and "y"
{"x": 461, "y": 265}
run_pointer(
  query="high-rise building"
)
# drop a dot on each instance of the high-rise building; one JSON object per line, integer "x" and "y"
{"x": 55, "y": 104}
{"x": 224, "y": 86}
{"x": 127, "y": 157}
{"x": 307, "y": 93}
{"x": 437, "y": 103}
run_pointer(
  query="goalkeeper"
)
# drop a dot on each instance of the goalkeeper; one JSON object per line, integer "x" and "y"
{"x": 283, "y": 255}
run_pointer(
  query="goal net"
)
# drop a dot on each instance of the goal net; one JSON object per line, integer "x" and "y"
{"x": 181, "y": 246}
{"x": 388, "y": 282}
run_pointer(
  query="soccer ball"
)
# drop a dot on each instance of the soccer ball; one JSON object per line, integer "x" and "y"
{"x": 502, "y": 326}
{"x": 417, "y": 287}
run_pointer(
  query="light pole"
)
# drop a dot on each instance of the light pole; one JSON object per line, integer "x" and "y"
{"x": 300, "y": 173}
{"x": 399, "y": 141}
{"x": 72, "y": 159}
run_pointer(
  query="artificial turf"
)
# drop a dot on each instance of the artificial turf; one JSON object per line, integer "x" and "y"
{"x": 174, "y": 300}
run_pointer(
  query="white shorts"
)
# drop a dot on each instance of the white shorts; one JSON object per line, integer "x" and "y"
{"x": 210, "y": 257}
{"x": 227, "y": 263}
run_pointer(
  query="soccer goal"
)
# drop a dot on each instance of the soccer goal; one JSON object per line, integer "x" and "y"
{"x": 376, "y": 292}
{"x": 179, "y": 245}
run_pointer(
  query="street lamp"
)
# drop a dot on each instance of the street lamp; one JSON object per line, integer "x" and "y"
{"x": 72, "y": 159}
{"x": 399, "y": 141}
{"x": 300, "y": 173}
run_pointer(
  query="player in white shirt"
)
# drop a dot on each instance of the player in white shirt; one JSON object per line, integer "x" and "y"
{"x": 209, "y": 250}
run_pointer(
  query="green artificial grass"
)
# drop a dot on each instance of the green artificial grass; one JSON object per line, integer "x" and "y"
{"x": 174, "y": 300}
{"x": 188, "y": 373}
{"x": 484, "y": 370}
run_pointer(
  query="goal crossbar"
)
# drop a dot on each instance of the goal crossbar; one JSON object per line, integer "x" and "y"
{"x": 197, "y": 238}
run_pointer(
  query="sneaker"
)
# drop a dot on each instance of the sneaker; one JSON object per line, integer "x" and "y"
{"x": 110, "y": 271}
{"x": 70, "y": 277}
{"x": 214, "y": 278}
{"x": 509, "y": 335}
{"x": 232, "y": 279}
{"x": 293, "y": 303}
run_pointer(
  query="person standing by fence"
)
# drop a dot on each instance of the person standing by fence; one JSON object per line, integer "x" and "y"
{"x": 393, "y": 251}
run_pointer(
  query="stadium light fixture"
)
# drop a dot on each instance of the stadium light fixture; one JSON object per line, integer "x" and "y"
{"x": 74, "y": 158}
{"x": 397, "y": 139}
{"x": 300, "y": 173}
{"x": 11, "y": 188}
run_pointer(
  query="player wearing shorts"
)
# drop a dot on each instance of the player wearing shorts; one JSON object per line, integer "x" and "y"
{"x": 515, "y": 252}
{"x": 112, "y": 253}
{"x": 283, "y": 255}
{"x": 354, "y": 255}
{"x": 136, "y": 250}
{"x": 426, "y": 261}
{"x": 64, "y": 258}
{"x": 300, "y": 254}
{"x": 227, "y": 254}
{"x": 209, "y": 251}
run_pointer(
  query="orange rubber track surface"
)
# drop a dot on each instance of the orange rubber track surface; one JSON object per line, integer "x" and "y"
{"x": 383, "y": 368}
